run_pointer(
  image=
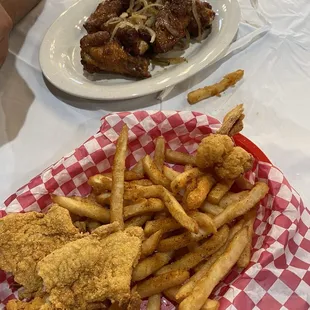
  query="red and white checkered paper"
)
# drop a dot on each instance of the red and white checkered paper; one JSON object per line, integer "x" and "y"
{"x": 278, "y": 276}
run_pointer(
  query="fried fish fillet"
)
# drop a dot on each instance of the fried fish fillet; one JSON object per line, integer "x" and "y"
{"x": 25, "y": 238}
{"x": 92, "y": 269}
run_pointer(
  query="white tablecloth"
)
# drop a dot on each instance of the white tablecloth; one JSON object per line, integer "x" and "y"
{"x": 39, "y": 124}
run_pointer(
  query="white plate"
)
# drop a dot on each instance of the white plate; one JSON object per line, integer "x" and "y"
{"x": 60, "y": 55}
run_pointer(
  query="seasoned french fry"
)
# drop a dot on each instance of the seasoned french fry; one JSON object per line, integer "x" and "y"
{"x": 170, "y": 173}
{"x": 162, "y": 282}
{"x": 150, "y": 264}
{"x": 231, "y": 198}
{"x": 178, "y": 212}
{"x": 164, "y": 224}
{"x": 161, "y": 214}
{"x": 143, "y": 206}
{"x": 159, "y": 155}
{"x": 183, "y": 178}
{"x": 231, "y": 119}
{"x": 218, "y": 191}
{"x": 150, "y": 244}
{"x": 83, "y": 207}
{"x": 219, "y": 269}
{"x": 118, "y": 171}
{"x": 138, "y": 220}
{"x": 197, "y": 196}
{"x": 171, "y": 293}
{"x": 188, "y": 287}
{"x": 154, "y": 302}
{"x": 203, "y": 220}
{"x": 104, "y": 199}
{"x": 192, "y": 259}
{"x": 208, "y": 207}
{"x": 135, "y": 192}
{"x": 138, "y": 167}
{"x": 174, "y": 157}
{"x": 129, "y": 175}
{"x": 258, "y": 192}
{"x": 245, "y": 256}
{"x": 100, "y": 183}
{"x": 211, "y": 304}
{"x": 141, "y": 182}
{"x": 216, "y": 89}
{"x": 179, "y": 241}
{"x": 243, "y": 183}
{"x": 153, "y": 173}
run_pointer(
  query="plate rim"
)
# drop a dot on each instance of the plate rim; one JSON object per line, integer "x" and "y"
{"x": 106, "y": 96}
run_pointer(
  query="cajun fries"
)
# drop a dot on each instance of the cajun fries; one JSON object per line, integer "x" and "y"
{"x": 193, "y": 221}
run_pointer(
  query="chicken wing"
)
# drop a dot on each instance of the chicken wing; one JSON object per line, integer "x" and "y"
{"x": 99, "y": 54}
{"x": 92, "y": 269}
{"x": 25, "y": 238}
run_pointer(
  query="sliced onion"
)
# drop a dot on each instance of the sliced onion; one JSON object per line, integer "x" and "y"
{"x": 174, "y": 32}
{"x": 131, "y": 5}
{"x": 151, "y": 32}
{"x": 121, "y": 25}
{"x": 113, "y": 20}
{"x": 197, "y": 18}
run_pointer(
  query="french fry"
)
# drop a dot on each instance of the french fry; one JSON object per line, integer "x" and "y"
{"x": 143, "y": 206}
{"x": 153, "y": 173}
{"x": 243, "y": 183}
{"x": 231, "y": 198}
{"x": 174, "y": 157}
{"x": 183, "y": 178}
{"x": 188, "y": 287}
{"x": 171, "y": 293}
{"x": 197, "y": 196}
{"x": 138, "y": 167}
{"x": 83, "y": 207}
{"x": 258, "y": 192}
{"x": 100, "y": 183}
{"x": 216, "y": 89}
{"x": 157, "y": 284}
{"x": 204, "y": 221}
{"x": 170, "y": 173}
{"x": 141, "y": 182}
{"x": 178, "y": 212}
{"x": 150, "y": 264}
{"x": 192, "y": 259}
{"x": 129, "y": 175}
{"x": 219, "y": 269}
{"x": 135, "y": 192}
{"x": 104, "y": 199}
{"x": 161, "y": 214}
{"x": 208, "y": 207}
{"x": 245, "y": 256}
{"x": 211, "y": 304}
{"x": 139, "y": 220}
{"x": 159, "y": 155}
{"x": 154, "y": 302}
{"x": 164, "y": 224}
{"x": 231, "y": 119}
{"x": 179, "y": 241}
{"x": 118, "y": 171}
{"x": 150, "y": 244}
{"x": 218, "y": 191}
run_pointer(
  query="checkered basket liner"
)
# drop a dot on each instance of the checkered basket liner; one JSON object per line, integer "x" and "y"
{"x": 278, "y": 276}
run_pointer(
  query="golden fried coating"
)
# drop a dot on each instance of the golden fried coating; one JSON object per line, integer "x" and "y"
{"x": 25, "y": 238}
{"x": 92, "y": 269}
{"x": 35, "y": 304}
{"x": 212, "y": 150}
{"x": 234, "y": 164}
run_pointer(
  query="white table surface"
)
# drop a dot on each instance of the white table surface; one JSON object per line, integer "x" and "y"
{"x": 39, "y": 124}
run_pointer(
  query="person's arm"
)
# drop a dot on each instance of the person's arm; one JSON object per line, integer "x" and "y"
{"x": 17, "y": 9}
{"x": 5, "y": 28}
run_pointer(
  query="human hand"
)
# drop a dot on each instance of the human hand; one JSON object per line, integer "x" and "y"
{"x": 5, "y": 28}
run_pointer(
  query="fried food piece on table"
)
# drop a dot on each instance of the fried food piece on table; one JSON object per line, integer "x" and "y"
{"x": 104, "y": 11}
{"x": 92, "y": 269}
{"x": 100, "y": 54}
{"x": 26, "y": 238}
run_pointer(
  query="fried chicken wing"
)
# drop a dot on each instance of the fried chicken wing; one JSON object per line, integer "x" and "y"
{"x": 25, "y": 238}
{"x": 92, "y": 269}
{"x": 234, "y": 164}
{"x": 102, "y": 55}
{"x": 212, "y": 150}
{"x": 104, "y": 11}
